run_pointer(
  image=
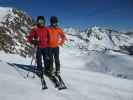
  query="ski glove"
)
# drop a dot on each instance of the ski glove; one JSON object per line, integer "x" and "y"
{"x": 35, "y": 42}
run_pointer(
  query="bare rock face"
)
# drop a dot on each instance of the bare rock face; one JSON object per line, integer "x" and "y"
{"x": 14, "y": 27}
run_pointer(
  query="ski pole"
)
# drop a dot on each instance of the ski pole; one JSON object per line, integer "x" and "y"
{"x": 33, "y": 59}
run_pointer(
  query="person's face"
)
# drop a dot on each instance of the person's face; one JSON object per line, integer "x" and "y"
{"x": 41, "y": 22}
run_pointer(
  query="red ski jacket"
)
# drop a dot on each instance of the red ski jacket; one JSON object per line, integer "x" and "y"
{"x": 41, "y": 34}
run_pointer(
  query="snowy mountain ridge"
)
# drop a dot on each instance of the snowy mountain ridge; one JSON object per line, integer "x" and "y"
{"x": 99, "y": 39}
{"x": 14, "y": 26}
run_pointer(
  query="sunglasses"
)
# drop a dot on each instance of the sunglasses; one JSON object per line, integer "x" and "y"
{"x": 41, "y": 21}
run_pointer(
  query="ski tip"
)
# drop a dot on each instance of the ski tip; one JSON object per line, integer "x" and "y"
{"x": 62, "y": 88}
{"x": 44, "y": 88}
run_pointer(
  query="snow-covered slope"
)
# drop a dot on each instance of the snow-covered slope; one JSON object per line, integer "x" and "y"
{"x": 103, "y": 55}
{"x": 3, "y": 12}
{"x": 80, "y": 71}
{"x": 82, "y": 84}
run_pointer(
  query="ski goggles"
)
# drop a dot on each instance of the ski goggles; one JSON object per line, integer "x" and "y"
{"x": 41, "y": 21}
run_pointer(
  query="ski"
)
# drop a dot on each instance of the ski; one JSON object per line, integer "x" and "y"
{"x": 44, "y": 86}
{"x": 35, "y": 65}
{"x": 62, "y": 84}
{"x": 53, "y": 79}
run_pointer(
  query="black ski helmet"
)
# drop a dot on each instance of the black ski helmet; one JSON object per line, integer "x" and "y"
{"x": 53, "y": 19}
{"x": 40, "y": 17}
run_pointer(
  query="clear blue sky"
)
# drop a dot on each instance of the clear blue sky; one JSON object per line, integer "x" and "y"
{"x": 117, "y": 14}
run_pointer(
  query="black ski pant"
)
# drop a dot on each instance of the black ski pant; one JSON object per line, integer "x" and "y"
{"x": 42, "y": 53}
{"x": 54, "y": 56}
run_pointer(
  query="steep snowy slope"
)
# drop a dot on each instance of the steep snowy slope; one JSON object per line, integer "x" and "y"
{"x": 3, "y": 12}
{"x": 82, "y": 84}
